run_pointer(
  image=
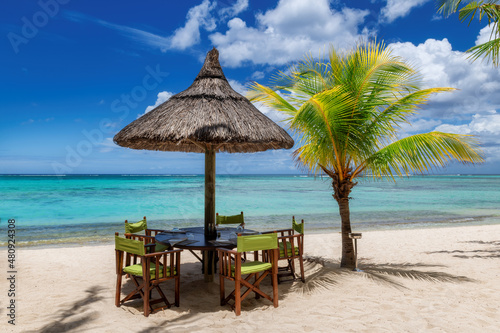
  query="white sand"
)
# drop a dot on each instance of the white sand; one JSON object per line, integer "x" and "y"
{"x": 427, "y": 280}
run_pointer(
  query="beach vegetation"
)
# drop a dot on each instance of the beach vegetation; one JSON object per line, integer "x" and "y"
{"x": 347, "y": 109}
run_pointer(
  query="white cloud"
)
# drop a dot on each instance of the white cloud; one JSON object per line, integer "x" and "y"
{"x": 276, "y": 116}
{"x": 161, "y": 98}
{"x": 482, "y": 124}
{"x": 107, "y": 145}
{"x": 189, "y": 34}
{"x": 138, "y": 35}
{"x": 238, "y": 7}
{"x": 484, "y": 35}
{"x": 486, "y": 127}
{"x": 420, "y": 125}
{"x": 395, "y": 9}
{"x": 286, "y": 32}
{"x": 258, "y": 75}
{"x": 238, "y": 87}
{"x": 198, "y": 17}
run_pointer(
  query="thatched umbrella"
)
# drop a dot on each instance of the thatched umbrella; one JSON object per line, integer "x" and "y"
{"x": 208, "y": 117}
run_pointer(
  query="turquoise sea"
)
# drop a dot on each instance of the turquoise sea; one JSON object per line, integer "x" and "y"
{"x": 90, "y": 208}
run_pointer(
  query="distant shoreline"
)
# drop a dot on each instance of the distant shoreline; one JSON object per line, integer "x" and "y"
{"x": 227, "y": 174}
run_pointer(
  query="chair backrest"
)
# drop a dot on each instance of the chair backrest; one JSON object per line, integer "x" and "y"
{"x": 298, "y": 227}
{"x": 132, "y": 228}
{"x": 129, "y": 246}
{"x": 257, "y": 242}
{"x": 232, "y": 219}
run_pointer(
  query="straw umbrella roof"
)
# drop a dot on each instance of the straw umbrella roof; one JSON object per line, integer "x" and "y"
{"x": 207, "y": 115}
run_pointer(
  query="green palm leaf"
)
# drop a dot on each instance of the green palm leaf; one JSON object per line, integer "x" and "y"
{"x": 421, "y": 152}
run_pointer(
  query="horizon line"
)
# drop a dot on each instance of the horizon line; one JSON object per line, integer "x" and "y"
{"x": 227, "y": 174}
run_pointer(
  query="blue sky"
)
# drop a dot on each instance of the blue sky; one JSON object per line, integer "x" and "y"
{"x": 75, "y": 72}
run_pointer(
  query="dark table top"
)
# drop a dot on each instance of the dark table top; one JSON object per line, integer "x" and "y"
{"x": 197, "y": 241}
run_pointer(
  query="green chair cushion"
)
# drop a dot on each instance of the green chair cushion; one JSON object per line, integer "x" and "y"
{"x": 289, "y": 249}
{"x": 232, "y": 219}
{"x": 252, "y": 267}
{"x": 132, "y": 228}
{"x": 137, "y": 270}
{"x": 257, "y": 242}
{"x": 298, "y": 227}
{"x": 129, "y": 245}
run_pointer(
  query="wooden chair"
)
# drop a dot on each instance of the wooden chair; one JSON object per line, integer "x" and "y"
{"x": 131, "y": 232}
{"x": 291, "y": 247}
{"x": 134, "y": 228}
{"x": 231, "y": 219}
{"x": 154, "y": 268}
{"x": 268, "y": 245}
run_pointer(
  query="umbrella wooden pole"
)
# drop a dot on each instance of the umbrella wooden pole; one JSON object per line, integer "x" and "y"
{"x": 210, "y": 194}
{"x": 209, "y": 256}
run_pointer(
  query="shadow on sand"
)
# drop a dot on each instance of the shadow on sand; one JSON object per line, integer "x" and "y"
{"x": 321, "y": 274}
{"x": 491, "y": 251}
{"x": 71, "y": 319}
{"x": 325, "y": 274}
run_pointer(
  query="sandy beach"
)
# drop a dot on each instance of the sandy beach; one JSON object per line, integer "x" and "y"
{"x": 419, "y": 280}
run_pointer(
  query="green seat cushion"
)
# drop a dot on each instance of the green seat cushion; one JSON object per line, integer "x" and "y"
{"x": 253, "y": 267}
{"x": 137, "y": 270}
{"x": 289, "y": 249}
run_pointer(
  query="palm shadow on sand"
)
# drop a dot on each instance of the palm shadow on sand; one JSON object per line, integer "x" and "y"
{"x": 326, "y": 274}
{"x": 491, "y": 250}
{"x": 72, "y": 318}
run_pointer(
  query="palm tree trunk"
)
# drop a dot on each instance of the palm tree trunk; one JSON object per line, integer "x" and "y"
{"x": 341, "y": 190}
{"x": 347, "y": 245}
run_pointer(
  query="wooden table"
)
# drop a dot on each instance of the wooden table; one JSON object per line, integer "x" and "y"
{"x": 198, "y": 242}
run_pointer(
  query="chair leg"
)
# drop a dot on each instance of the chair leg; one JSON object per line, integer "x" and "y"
{"x": 146, "y": 301}
{"x": 274, "y": 273}
{"x": 291, "y": 266}
{"x": 118, "y": 289}
{"x": 237, "y": 297}
{"x": 177, "y": 290}
{"x": 301, "y": 261}
{"x": 275, "y": 287}
{"x": 222, "y": 290}
{"x": 292, "y": 263}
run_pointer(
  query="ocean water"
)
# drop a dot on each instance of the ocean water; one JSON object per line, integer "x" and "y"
{"x": 82, "y": 209}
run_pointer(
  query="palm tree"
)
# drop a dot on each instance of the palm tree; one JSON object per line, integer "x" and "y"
{"x": 488, "y": 9}
{"x": 347, "y": 111}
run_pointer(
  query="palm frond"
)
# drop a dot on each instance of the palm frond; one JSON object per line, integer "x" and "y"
{"x": 421, "y": 152}
{"x": 489, "y": 50}
{"x": 269, "y": 97}
{"x": 396, "y": 111}
{"x": 480, "y": 9}
{"x": 447, "y": 7}
{"x": 488, "y": 9}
